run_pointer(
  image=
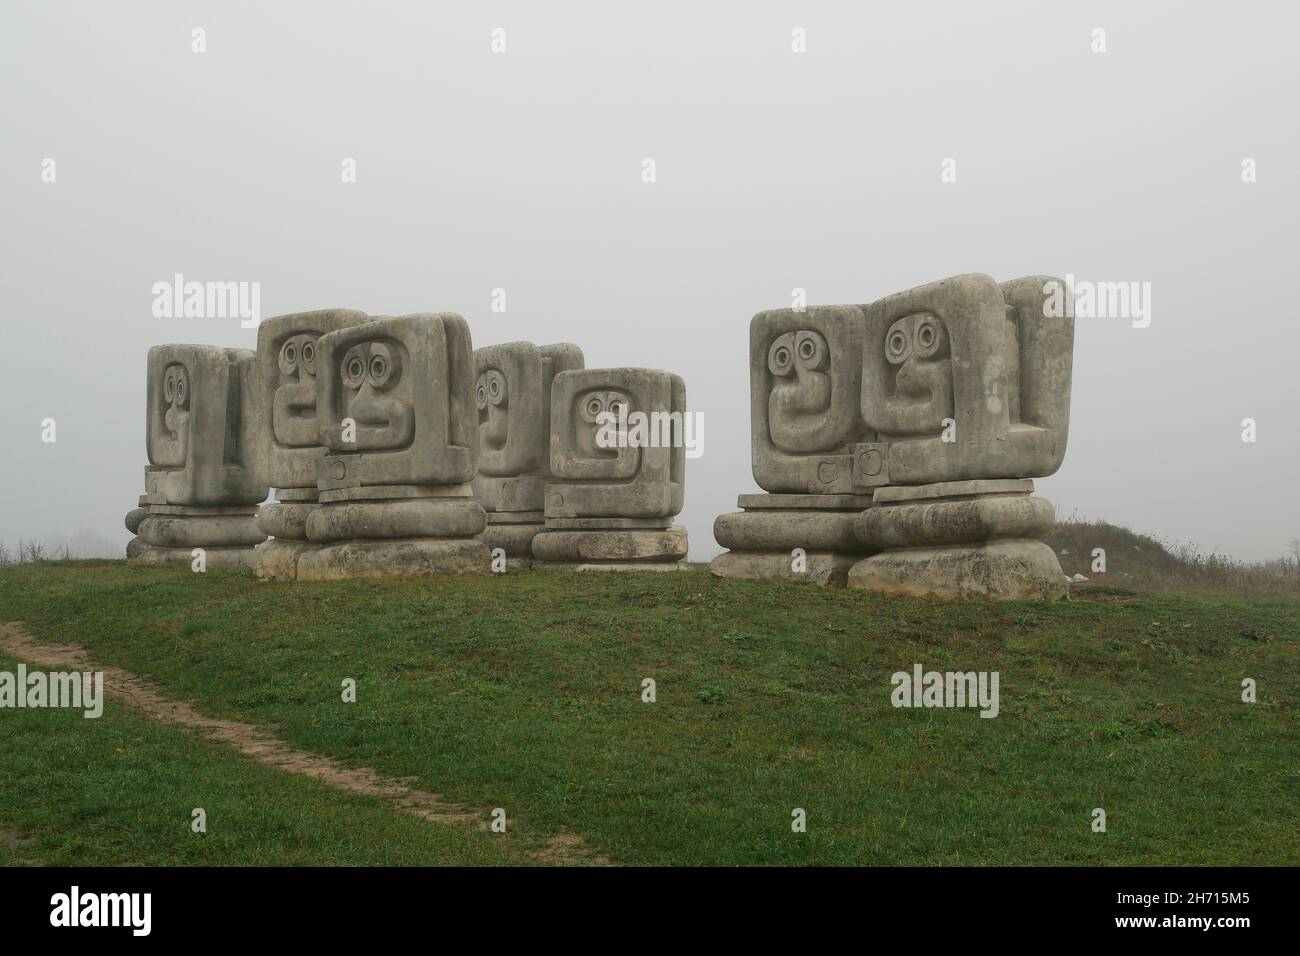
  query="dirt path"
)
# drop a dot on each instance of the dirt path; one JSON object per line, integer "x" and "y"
{"x": 562, "y": 850}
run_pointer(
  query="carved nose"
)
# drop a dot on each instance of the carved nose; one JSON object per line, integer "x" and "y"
{"x": 494, "y": 429}
{"x": 915, "y": 378}
{"x": 371, "y": 411}
{"x": 811, "y": 393}
{"x": 174, "y": 419}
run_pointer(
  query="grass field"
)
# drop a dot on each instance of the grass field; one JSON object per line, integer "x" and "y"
{"x": 524, "y": 692}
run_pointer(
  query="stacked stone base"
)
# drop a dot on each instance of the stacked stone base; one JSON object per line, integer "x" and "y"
{"x": 286, "y": 523}
{"x": 959, "y": 539}
{"x": 168, "y": 535}
{"x": 611, "y": 544}
{"x": 513, "y": 532}
{"x": 394, "y": 532}
{"x": 763, "y": 537}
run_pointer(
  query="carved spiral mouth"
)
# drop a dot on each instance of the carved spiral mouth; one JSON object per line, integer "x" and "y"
{"x": 293, "y": 415}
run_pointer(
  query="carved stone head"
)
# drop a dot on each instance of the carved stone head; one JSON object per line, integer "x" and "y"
{"x": 395, "y": 403}
{"x": 199, "y": 436}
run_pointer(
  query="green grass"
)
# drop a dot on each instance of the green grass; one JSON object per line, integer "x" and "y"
{"x": 120, "y": 790}
{"x": 524, "y": 692}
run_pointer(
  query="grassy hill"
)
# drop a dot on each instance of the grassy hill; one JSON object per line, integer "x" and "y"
{"x": 524, "y": 692}
{"x": 1140, "y": 561}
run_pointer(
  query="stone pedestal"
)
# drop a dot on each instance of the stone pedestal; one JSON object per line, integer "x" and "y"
{"x": 763, "y": 537}
{"x": 394, "y": 531}
{"x": 513, "y": 533}
{"x": 612, "y": 544}
{"x": 168, "y": 535}
{"x": 959, "y": 539}
{"x": 285, "y": 521}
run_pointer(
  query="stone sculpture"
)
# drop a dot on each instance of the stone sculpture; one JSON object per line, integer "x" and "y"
{"x": 619, "y": 470}
{"x": 918, "y": 485}
{"x": 201, "y": 488}
{"x": 285, "y": 418}
{"x": 395, "y": 406}
{"x": 806, "y": 430}
{"x": 967, "y": 385}
{"x": 512, "y": 395}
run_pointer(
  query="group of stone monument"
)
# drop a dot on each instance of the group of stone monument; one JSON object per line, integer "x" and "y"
{"x": 895, "y": 444}
{"x": 395, "y": 449}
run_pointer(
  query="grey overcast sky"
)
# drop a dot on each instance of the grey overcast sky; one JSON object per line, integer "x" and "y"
{"x": 775, "y": 170}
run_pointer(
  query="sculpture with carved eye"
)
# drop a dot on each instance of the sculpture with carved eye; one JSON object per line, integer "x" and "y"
{"x": 171, "y": 443}
{"x": 293, "y": 410}
{"x": 492, "y": 401}
{"x": 604, "y": 413}
{"x": 921, "y": 397}
{"x": 801, "y": 389}
{"x": 383, "y": 413}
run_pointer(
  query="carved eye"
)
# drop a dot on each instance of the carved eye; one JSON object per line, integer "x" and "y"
{"x": 182, "y": 387}
{"x": 812, "y": 350}
{"x": 496, "y": 387}
{"x": 480, "y": 392}
{"x": 307, "y": 357}
{"x": 898, "y": 346}
{"x": 169, "y": 386}
{"x": 780, "y": 357}
{"x": 929, "y": 337}
{"x": 618, "y": 404}
{"x": 289, "y": 357}
{"x": 592, "y": 406}
{"x": 354, "y": 367}
{"x": 385, "y": 366}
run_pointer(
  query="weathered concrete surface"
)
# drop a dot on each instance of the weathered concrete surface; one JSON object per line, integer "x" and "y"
{"x": 622, "y": 481}
{"x": 893, "y": 494}
{"x": 138, "y": 551}
{"x": 395, "y": 559}
{"x": 805, "y": 392}
{"x": 201, "y": 485}
{"x": 195, "y": 532}
{"x": 824, "y": 568}
{"x": 286, "y": 519}
{"x": 512, "y": 395}
{"x": 1010, "y": 569}
{"x": 784, "y": 530}
{"x": 618, "y": 546}
{"x": 784, "y": 502}
{"x": 134, "y": 518}
{"x": 283, "y": 409}
{"x": 506, "y": 493}
{"x": 928, "y": 411}
{"x": 277, "y": 558}
{"x": 599, "y": 524}
{"x": 407, "y": 383}
{"x": 199, "y": 440}
{"x": 396, "y": 492}
{"x": 411, "y": 518}
{"x": 965, "y": 521}
{"x": 973, "y": 362}
{"x": 212, "y": 511}
{"x": 762, "y": 539}
{"x": 617, "y": 565}
{"x": 395, "y": 410}
{"x": 515, "y": 539}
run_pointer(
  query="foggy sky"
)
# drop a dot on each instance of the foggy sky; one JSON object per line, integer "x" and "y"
{"x": 775, "y": 171}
